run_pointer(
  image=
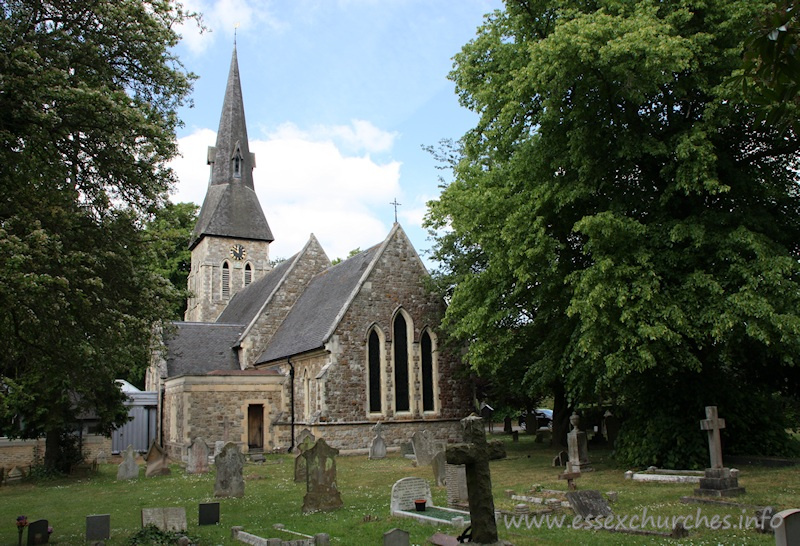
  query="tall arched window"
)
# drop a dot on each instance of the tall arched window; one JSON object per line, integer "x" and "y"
{"x": 426, "y": 347}
{"x": 226, "y": 281}
{"x": 306, "y": 395}
{"x": 248, "y": 274}
{"x": 374, "y": 362}
{"x": 400, "y": 348}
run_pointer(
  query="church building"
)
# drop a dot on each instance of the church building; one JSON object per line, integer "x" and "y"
{"x": 267, "y": 351}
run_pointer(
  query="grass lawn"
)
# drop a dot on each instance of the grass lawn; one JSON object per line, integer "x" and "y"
{"x": 272, "y": 497}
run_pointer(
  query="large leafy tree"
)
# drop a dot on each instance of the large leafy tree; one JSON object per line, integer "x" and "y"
{"x": 622, "y": 222}
{"x": 88, "y": 99}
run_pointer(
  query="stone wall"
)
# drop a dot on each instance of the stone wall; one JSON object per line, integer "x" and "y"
{"x": 205, "y": 276}
{"x": 27, "y": 453}
{"x": 311, "y": 260}
{"x": 215, "y": 407}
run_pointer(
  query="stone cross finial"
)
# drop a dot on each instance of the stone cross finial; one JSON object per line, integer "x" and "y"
{"x": 396, "y": 204}
{"x": 713, "y": 424}
{"x": 475, "y": 454}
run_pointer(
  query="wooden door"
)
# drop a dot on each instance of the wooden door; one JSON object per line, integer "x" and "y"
{"x": 255, "y": 426}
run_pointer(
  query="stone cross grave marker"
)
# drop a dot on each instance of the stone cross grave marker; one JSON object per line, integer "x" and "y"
{"x": 321, "y": 492}
{"x": 166, "y": 519}
{"x": 197, "y": 462}
{"x": 128, "y": 469}
{"x": 98, "y": 527}
{"x": 230, "y": 464}
{"x": 396, "y": 537}
{"x": 300, "y": 467}
{"x": 713, "y": 424}
{"x": 157, "y": 461}
{"x": 424, "y": 447}
{"x": 377, "y": 447}
{"x": 39, "y": 532}
{"x": 474, "y": 453}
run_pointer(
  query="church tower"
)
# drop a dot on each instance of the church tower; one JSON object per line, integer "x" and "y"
{"x": 230, "y": 243}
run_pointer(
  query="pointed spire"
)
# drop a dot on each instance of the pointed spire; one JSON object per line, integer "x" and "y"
{"x": 231, "y": 160}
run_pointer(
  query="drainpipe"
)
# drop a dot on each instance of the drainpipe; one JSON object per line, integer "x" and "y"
{"x": 291, "y": 377}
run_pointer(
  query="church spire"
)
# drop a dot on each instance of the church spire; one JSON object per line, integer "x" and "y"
{"x": 231, "y": 208}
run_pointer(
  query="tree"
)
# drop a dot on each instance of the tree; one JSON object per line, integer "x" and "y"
{"x": 88, "y": 99}
{"x": 621, "y": 222}
{"x": 168, "y": 234}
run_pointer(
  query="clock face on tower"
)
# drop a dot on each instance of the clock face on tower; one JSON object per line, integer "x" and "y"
{"x": 238, "y": 252}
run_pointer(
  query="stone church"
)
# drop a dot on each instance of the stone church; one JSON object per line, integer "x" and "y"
{"x": 267, "y": 351}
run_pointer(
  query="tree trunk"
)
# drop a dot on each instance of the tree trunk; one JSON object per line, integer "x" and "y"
{"x": 54, "y": 457}
{"x": 561, "y": 413}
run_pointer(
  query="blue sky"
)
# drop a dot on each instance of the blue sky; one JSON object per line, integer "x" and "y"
{"x": 339, "y": 95}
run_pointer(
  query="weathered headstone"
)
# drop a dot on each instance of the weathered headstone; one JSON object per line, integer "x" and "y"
{"x": 456, "y": 483}
{"x": 39, "y": 532}
{"x": 396, "y": 537}
{"x": 128, "y": 469}
{"x": 718, "y": 481}
{"x": 377, "y": 447}
{"x": 197, "y": 463}
{"x": 787, "y": 527}
{"x": 321, "y": 492}
{"x": 407, "y": 490}
{"x": 305, "y": 433}
{"x": 208, "y": 513}
{"x": 230, "y": 464}
{"x": 474, "y": 453}
{"x": 300, "y": 467}
{"x": 157, "y": 461}
{"x": 406, "y": 449}
{"x": 98, "y": 527}
{"x": 14, "y": 475}
{"x": 424, "y": 447}
{"x": 577, "y": 446}
{"x": 439, "y": 471}
{"x": 589, "y": 504}
{"x": 166, "y": 519}
{"x": 101, "y": 457}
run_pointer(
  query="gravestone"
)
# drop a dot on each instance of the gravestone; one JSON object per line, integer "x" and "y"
{"x": 456, "y": 483}
{"x": 321, "y": 492}
{"x": 787, "y": 527}
{"x": 474, "y": 453}
{"x": 98, "y": 527}
{"x": 561, "y": 459}
{"x": 507, "y": 427}
{"x": 406, "y": 449}
{"x": 305, "y": 433}
{"x": 589, "y": 504}
{"x": 577, "y": 446}
{"x": 128, "y": 469}
{"x": 424, "y": 447}
{"x": 300, "y": 472}
{"x": 377, "y": 447}
{"x": 39, "y": 532}
{"x": 197, "y": 462}
{"x": 407, "y": 490}
{"x": 102, "y": 457}
{"x": 229, "y": 463}
{"x": 396, "y": 537}
{"x": 218, "y": 445}
{"x": 157, "y": 461}
{"x": 439, "y": 471}
{"x": 208, "y": 513}
{"x": 718, "y": 481}
{"x": 14, "y": 475}
{"x": 166, "y": 519}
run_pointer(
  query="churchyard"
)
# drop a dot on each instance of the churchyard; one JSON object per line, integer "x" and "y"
{"x": 272, "y": 496}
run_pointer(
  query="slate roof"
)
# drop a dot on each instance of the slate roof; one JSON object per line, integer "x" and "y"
{"x": 245, "y": 305}
{"x": 231, "y": 207}
{"x": 196, "y": 348}
{"x": 317, "y": 310}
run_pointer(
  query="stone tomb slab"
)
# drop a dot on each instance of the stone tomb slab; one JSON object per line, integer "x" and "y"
{"x": 407, "y": 490}
{"x": 166, "y": 519}
{"x": 208, "y": 513}
{"x": 98, "y": 527}
{"x": 396, "y": 537}
{"x": 589, "y": 504}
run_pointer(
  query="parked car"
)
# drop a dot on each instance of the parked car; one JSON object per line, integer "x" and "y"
{"x": 544, "y": 418}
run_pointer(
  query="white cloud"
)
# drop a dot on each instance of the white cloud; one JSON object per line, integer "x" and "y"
{"x": 359, "y": 136}
{"x": 306, "y": 184}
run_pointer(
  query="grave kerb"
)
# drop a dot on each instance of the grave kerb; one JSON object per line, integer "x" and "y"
{"x": 406, "y": 490}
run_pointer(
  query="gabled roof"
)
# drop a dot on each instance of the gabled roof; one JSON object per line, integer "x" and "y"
{"x": 311, "y": 319}
{"x": 196, "y": 348}
{"x": 248, "y": 303}
{"x": 231, "y": 207}
{"x": 317, "y": 312}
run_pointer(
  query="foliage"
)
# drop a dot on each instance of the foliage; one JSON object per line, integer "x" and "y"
{"x": 620, "y": 224}
{"x": 150, "y": 534}
{"x": 88, "y": 100}
{"x": 352, "y": 253}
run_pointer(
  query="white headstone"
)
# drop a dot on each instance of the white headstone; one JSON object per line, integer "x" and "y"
{"x": 406, "y": 490}
{"x": 787, "y": 527}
